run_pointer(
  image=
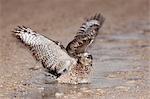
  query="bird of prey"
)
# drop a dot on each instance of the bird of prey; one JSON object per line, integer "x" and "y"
{"x": 72, "y": 64}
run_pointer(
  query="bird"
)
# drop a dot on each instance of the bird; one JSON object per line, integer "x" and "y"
{"x": 71, "y": 64}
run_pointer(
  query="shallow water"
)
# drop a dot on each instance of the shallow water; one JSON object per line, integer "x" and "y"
{"x": 121, "y": 51}
{"x": 121, "y": 63}
{"x": 116, "y": 62}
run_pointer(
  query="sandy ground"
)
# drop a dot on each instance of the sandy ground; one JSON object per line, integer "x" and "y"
{"x": 121, "y": 52}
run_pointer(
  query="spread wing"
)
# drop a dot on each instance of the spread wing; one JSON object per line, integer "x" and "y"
{"x": 50, "y": 53}
{"x": 85, "y": 36}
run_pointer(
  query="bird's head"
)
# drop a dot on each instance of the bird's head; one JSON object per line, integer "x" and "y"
{"x": 85, "y": 59}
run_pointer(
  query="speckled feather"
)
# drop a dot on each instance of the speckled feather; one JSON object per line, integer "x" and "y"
{"x": 49, "y": 52}
{"x": 85, "y": 35}
{"x": 71, "y": 65}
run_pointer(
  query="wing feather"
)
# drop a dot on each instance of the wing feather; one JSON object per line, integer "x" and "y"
{"x": 85, "y": 35}
{"x": 49, "y": 52}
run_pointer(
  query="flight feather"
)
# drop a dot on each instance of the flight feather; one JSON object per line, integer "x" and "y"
{"x": 85, "y": 35}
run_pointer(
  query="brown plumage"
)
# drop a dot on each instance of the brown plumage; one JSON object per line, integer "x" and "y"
{"x": 71, "y": 65}
{"x": 85, "y": 36}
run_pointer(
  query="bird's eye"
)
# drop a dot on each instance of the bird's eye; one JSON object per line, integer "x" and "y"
{"x": 90, "y": 57}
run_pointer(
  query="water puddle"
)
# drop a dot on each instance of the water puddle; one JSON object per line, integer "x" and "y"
{"x": 115, "y": 62}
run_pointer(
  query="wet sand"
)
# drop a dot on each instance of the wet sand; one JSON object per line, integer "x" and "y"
{"x": 121, "y": 51}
